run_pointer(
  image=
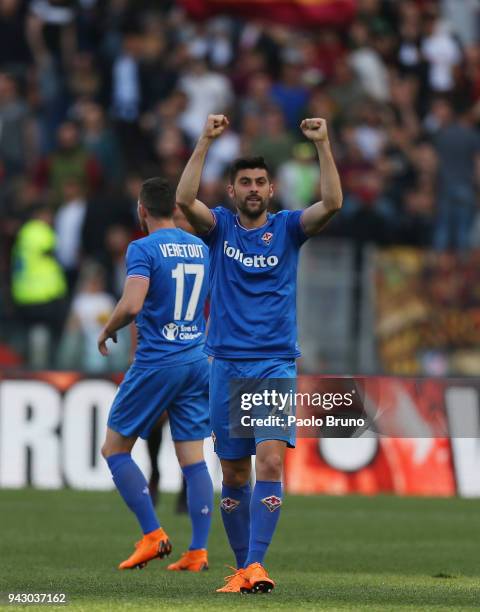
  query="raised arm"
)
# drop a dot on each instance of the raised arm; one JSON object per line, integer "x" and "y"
{"x": 199, "y": 215}
{"x": 316, "y": 216}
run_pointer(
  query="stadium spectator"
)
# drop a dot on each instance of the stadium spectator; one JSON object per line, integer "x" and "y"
{"x": 158, "y": 75}
{"x": 207, "y": 91}
{"x": 39, "y": 288}
{"x": 127, "y": 96}
{"x": 100, "y": 141}
{"x": 257, "y": 99}
{"x": 298, "y": 178}
{"x": 442, "y": 52}
{"x": 415, "y": 225}
{"x": 68, "y": 227}
{"x": 345, "y": 89}
{"x": 458, "y": 148}
{"x": 50, "y": 31}
{"x": 17, "y": 136}
{"x": 84, "y": 80}
{"x": 369, "y": 133}
{"x": 409, "y": 54}
{"x": 275, "y": 142}
{"x": 117, "y": 238}
{"x": 289, "y": 92}
{"x": 90, "y": 309}
{"x": 113, "y": 207}
{"x": 70, "y": 160}
{"x": 170, "y": 150}
{"x": 14, "y": 50}
{"x": 368, "y": 64}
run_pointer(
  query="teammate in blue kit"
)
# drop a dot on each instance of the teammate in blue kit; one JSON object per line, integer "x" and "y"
{"x": 252, "y": 334}
{"x": 165, "y": 291}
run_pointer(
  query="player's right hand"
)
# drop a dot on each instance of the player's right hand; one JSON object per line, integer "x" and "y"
{"x": 215, "y": 126}
{"x": 102, "y": 341}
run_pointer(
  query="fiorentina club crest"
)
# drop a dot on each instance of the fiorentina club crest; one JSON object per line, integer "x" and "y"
{"x": 267, "y": 238}
{"x": 272, "y": 502}
{"x": 228, "y": 504}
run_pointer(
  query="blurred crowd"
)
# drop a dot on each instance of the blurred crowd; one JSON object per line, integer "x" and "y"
{"x": 96, "y": 95}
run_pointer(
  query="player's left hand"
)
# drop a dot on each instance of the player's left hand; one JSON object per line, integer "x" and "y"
{"x": 102, "y": 341}
{"x": 315, "y": 129}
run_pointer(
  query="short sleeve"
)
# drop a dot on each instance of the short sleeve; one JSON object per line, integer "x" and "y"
{"x": 295, "y": 227}
{"x": 220, "y": 218}
{"x": 138, "y": 261}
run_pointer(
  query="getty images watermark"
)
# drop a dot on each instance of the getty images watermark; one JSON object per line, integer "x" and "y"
{"x": 343, "y": 407}
{"x": 276, "y": 407}
{"x": 279, "y": 406}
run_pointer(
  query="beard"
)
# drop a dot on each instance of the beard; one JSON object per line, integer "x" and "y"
{"x": 253, "y": 207}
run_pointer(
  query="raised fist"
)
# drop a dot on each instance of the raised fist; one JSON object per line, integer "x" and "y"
{"x": 315, "y": 129}
{"x": 215, "y": 126}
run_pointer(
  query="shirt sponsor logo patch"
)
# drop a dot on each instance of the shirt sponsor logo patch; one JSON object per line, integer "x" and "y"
{"x": 170, "y": 331}
{"x": 249, "y": 261}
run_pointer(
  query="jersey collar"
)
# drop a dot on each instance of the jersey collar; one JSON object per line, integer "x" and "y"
{"x": 252, "y": 229}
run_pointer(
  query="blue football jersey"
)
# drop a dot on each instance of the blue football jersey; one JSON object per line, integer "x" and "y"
{"x": 253, "y": 286}
{"x": 171, "y": 324}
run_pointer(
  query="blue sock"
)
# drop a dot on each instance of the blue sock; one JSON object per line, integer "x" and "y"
{"x": 133, "y": 487}
{"x": 235, "y": 509}
{"x": 199, "y": 502}
{"x": 264, "y": 515}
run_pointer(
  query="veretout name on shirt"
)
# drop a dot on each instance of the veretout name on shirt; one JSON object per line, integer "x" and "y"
{"x": 174, "y": 249}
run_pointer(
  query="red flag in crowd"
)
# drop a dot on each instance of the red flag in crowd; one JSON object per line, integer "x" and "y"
{"x": 294, "y": 12}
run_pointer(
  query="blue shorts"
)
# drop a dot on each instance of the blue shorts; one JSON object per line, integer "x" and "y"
{"x": 222, "y": 371}
{"x": 146, "y": 393}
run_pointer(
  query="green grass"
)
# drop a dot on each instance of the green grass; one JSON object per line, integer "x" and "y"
{"x": 329, "y": 553}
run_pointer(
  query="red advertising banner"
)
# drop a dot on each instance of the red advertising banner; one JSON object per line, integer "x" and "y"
{"x": 302, "y": 13}
{"x": 432, "y": 447}
{"x": 416, "y": 466}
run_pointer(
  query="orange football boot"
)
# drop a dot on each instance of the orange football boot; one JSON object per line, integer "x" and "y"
{"x": 235, "y": 583}
{"x": 152, "y": 545}
{"x": 257, "y": 576}
{"x": 191, "y": 561}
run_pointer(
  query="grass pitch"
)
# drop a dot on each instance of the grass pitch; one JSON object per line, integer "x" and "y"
{"x": 344, "y": 553}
